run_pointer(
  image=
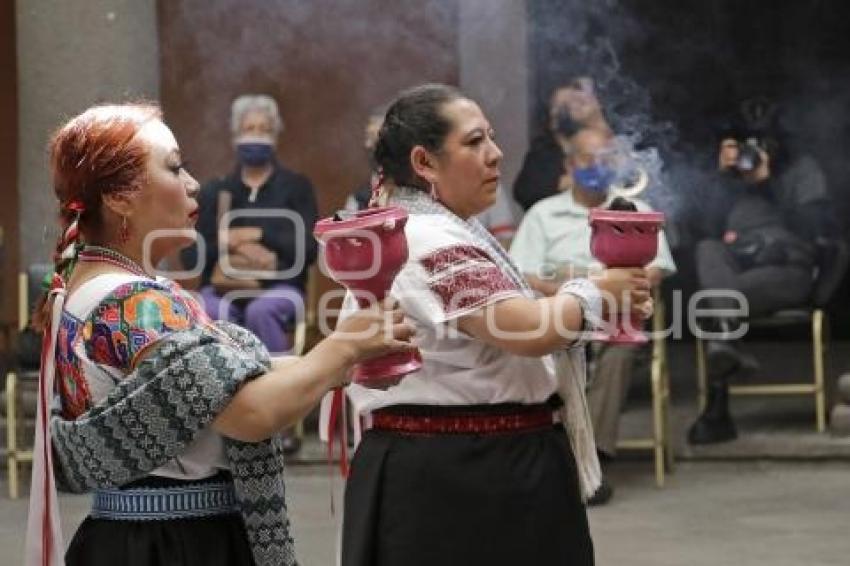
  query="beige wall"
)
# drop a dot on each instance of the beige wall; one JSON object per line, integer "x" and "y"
{"x": 72, "y": 54}
{"x": 327, "y": 63}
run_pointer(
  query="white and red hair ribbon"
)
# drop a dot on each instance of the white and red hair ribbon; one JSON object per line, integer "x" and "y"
{"x": 44, "y": 543}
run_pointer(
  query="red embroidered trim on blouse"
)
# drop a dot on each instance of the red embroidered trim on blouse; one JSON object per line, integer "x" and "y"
{"x": 440, "y": 259}
{"x": 464, "y": 277}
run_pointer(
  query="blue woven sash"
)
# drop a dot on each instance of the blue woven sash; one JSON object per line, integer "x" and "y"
{"x": 164, "y": 503}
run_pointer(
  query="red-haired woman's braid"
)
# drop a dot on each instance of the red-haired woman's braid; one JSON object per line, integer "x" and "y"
{"x": 69, "y": 240}
{"x": 92, "y": 155}
{"x": 64, "y": 256}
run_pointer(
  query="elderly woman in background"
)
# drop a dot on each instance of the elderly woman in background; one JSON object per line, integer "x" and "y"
{"x": 466, "y": 461}
{"x": 172, "y": 419}
{"x": 255, "y": 266}
{"x": 269, "y": 255}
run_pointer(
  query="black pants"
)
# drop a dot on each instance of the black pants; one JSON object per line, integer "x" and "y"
{"x": 465, "y": 500}
{"x": 767, "y": 289}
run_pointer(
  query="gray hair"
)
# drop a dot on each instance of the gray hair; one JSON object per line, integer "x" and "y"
{"x": 379, "y": 112}
{"x": 254, "y": 103}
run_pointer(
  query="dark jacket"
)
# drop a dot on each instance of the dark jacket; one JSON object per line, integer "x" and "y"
{"x": 284, "y": 189}
{"x": 798, "y": 191}
{"x": 763, "y": 237}
{"x": 541, "y": 171}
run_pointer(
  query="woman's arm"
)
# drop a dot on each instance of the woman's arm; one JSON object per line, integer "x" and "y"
{"x": 286, "y": 393}
{"x": 526, "y": 327}
{"x": 536, "y": 327}
{"x": 548, "y": 287}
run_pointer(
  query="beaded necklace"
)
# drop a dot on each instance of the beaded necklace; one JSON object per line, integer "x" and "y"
{"x": 95, "y": 254}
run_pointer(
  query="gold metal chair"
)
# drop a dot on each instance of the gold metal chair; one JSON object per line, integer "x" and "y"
{"x": 15, "y": 456}
{"x": 814, "y": 387}
{"x": 308, "y": 321}
{"x": 660, "y": 442}
{"x": 304, "y": 324}
{"x": 17, "y": 378}
{"x": 832, "y": 265}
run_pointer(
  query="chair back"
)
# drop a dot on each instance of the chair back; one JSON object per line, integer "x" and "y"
{"x": 30, "y": 289}
{"x": 831, "y": 267}
{"x": 28, "y": 341}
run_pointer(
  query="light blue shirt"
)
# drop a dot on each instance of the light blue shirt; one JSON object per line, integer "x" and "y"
{"x": 555, "y": 233}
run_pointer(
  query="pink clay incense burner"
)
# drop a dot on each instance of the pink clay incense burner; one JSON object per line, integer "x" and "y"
{"x": 622, "y": 238}
{"x": 365, "y": 253}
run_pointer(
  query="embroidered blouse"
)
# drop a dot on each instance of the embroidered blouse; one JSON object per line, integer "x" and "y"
{"x": 455, "y": 268}
{"x": 446, "y": 277}
{"x": 108, "y": 325}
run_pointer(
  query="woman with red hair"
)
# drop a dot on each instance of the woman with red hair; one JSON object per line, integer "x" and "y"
{"x": 170, "y": 418}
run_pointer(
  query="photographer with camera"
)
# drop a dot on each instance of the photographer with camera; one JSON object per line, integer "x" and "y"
{"x": 770, "y": 211}
{"x": 572, "y": 107}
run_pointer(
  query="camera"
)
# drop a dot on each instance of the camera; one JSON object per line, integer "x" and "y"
{"x": 749, "y": 156}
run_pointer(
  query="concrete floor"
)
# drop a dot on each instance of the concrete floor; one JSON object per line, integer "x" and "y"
{"x": 777, "y": 496}
{"x": 775, "y": 513}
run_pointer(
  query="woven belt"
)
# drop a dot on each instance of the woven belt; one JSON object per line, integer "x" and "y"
{"x": 535, "y": 418}
{"x": 164, "y": 503}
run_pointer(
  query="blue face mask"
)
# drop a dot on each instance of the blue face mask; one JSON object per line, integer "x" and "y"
{"x": 254, "y": 154}
{"x": 595, "y": 179}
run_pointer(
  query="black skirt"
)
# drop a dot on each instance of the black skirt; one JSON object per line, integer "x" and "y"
{"x": 465, "y": 500}
{"x": 204, "y": 541}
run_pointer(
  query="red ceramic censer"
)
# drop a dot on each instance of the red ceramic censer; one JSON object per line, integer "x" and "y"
{"x": 623, "y": 238}
{"x": 364, "y": 253}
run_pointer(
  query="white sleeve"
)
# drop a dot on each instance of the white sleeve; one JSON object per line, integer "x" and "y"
{"x": 447, "y": 276}
{"x": 663, "y": 259}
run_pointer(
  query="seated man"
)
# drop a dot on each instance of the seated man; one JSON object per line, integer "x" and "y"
{"x": 553, "y": 245}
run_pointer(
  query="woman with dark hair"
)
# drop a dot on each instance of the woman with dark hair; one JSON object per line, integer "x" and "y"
{"x": 170, "y": 418}
{"x": 466, "y": 461}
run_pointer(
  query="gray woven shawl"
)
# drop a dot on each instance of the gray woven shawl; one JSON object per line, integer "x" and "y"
{"x": 156, "y": 412}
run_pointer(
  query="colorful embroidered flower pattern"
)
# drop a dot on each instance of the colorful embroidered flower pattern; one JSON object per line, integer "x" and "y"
{"x": 70, "y": 381}
{"x": 125, "y": 323}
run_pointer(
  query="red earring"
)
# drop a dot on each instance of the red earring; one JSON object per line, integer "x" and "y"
{"x": 124, "y": 234}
